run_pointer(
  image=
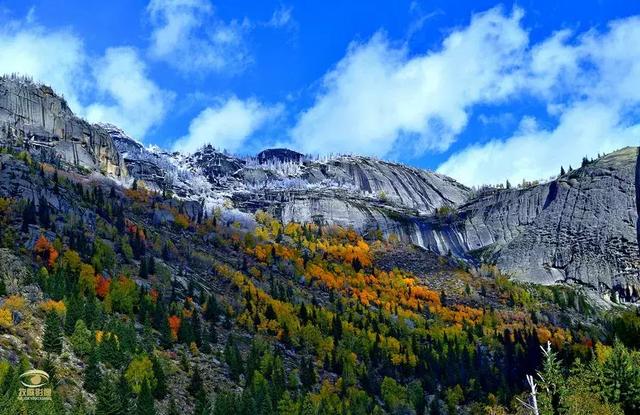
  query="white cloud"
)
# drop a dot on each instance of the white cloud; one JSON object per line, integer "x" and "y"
{"x": 138, "y": 103}
{"x": 227, "y": 125}
{"x": 56, "y": 57}
{"x": 533, "y": 153}
{"x": 379, "y": 97}
{"x": 111, "y": 88}
{"x": 281, "y": 17}
{"x": 591, "y": 83}
{"x": 188, "y": 36}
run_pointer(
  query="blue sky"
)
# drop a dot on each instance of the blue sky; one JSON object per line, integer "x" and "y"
{"x": 478, "y": 90}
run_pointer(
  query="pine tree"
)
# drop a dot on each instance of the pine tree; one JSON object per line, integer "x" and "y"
{"x": 233, "y": 358}
{"x": 185, "y": 332}
{"x": 160, "y": 390}
{"x": 151, "y": 265}
{"x": 28, "y": 215}
{"x": 202, "y": 404}
{"x": 144, "y": 271}
{"x": 212, "y": 312}
{"x": 307, "y": 373}
{"x": 126, "y": 396}
{"x": 73, "y": 314}
{"x": 195, "y": 387}
{"x": 43, "y": 213}
{"x": 92, "y": 373}
{"x": 3, "y": 287}
{"x": 145, "y": 401}
{"x": 107, "y": 399}
{"x": 213, "y": 334}
{"x": 52, "y": 340}
{"x": 197, "y": 327}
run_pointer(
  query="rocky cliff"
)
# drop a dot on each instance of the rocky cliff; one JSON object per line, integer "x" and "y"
{"x": 40, "y": 119}
{"x": 581, "y": 227}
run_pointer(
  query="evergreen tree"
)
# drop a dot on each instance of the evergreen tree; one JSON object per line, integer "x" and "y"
{"x": 73, "y": 314}
{"x": 233, "y": 358}
{"x": 160, "y": 390}
{"x": 3, "y": 287}
{"x": 145, "y": 401}
{"x": 197, "y": 327}
{"x": 92, "y": 373}
{"x": 125, "y": 392}
{"x": 212, "y": 312}
{"x": 52, "y": 340}
{"x": 151, "y": 265}
{"x": 144, "y": 271}
{"x": 185, "y": 332}
{"x": 195, "y": 386}
{"x": 213, "y": 334}
{"x": 225, "y": 403}
{"x": 307, "y": 373}
{"x": 107, "y": 399}
{"x": 202, "y": 404}
{"x": 28, "y": 215}
{"x": 43, "y": 213}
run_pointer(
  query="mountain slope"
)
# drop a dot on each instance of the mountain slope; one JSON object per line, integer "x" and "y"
{"x": 580, "y": 227}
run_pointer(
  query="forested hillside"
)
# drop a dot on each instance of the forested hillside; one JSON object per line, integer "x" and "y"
{"x": 136, "y": 302}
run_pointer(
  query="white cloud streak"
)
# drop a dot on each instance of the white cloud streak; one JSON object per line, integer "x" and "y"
{"x": 138, "y": 103}
{"x": 227, "y": 125}
{"x": 378, "y": 96}
{"x": 188, "y": 36}
{"x": 591, "y": 83}
{"x": 382, "y": 100}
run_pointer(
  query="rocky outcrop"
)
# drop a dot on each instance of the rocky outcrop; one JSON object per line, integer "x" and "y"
{"x": 580, "y": 227}
{"x": 279, "y": 155}
{"x": 34, "y": 116}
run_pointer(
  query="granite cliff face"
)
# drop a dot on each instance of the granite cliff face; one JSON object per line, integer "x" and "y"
{"x": 39, "y": 118}
{"x": 581, "y": 227}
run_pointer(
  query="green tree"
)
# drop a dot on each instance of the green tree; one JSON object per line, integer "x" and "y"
{"x": 52, "y": 340}
{"x": 621, "y": 378}
{"x": 453, "y": 397}
{"x": 145, "y": 401}
{"x": 195, "y": 387}
{"x": 81, "y": 338}
{"x": 233, "y": 358}
{"x": 552, "y": 383}
{"x": 287, "y": 406}
{"x": 225, "y": 403}
{"x": 107, "y": 399}
{"x": 92, "y": 373}
{"x": 139, "y": 372}
{"x": 160, "y": 390}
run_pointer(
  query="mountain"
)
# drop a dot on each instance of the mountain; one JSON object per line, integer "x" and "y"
{"x": 39, "y": 118}
{"x": 580, "y": 227}
{"x": 284, "y": 284}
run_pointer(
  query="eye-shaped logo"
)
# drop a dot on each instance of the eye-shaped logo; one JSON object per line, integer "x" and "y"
{"x": 34, "y": 378}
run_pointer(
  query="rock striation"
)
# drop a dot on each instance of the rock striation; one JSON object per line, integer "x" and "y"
{"x": 41, "y": 120}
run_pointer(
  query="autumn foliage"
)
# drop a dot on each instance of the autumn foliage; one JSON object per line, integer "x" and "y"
{"x": 45, "y": 252}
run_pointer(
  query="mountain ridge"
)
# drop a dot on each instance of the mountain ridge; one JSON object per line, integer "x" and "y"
{"x": 582, "y": 226}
